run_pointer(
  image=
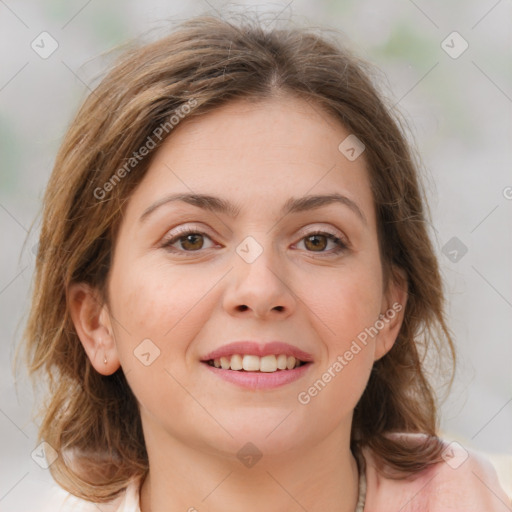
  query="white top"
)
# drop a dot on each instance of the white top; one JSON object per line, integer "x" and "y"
{"x": 465, "y": 482}
{"x": 60, "y": 500}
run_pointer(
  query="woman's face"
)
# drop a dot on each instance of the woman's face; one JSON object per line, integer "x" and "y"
{"x": 260, "y": 266}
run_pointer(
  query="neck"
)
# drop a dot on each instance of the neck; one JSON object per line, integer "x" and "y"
{"x": 184, "y": 478}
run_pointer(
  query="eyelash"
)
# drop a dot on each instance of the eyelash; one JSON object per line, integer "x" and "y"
{"x": 342, "y": 246}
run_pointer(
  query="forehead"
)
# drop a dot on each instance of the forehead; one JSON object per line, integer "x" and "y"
{"x": 257, "y": 153}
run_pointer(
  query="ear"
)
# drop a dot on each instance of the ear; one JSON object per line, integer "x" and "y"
{"x": 93, "y": 326}
{"x": 392, "y": 312}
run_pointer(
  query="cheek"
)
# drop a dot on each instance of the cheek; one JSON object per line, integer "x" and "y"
{"x": 350, "y": 308}
{"x": 346, "y": 302}
{"x": 150, "y": 299}
{"x": 151, "y": 330}
{"x": 157, "y": 303}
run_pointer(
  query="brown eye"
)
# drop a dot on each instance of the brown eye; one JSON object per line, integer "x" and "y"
{"x": 186, "y": 241}
{"x": 318, "y": 242}
{"x": 192, "y": 242}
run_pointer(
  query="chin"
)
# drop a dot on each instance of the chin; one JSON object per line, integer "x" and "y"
{"x": 271, "y": 430}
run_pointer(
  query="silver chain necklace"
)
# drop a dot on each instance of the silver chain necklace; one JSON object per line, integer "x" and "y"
{"x": 361, "y": 464}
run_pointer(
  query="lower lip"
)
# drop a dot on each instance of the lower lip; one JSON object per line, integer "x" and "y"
{"x": 260, "y": 380}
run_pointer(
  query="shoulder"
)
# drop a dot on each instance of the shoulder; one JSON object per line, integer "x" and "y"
{"x": 59, "y": 500}
{"x": 465, "y": 481}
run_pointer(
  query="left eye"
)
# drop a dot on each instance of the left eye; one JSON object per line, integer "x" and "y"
{"x": 319, "y": 240}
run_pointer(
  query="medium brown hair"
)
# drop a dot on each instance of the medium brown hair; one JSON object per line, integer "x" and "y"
{"x": 93, "y": 420}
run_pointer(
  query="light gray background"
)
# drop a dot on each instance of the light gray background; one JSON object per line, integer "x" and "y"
{"x": 459, "y": 110}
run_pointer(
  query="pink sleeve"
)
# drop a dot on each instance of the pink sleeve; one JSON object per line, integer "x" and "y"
{"x": 467, "y": 482}
{"x": 464, "y": 481}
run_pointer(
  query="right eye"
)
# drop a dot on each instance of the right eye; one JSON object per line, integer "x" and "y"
{"x": 190, "y": 240}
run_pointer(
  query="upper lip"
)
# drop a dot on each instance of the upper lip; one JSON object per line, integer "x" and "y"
{"x": 258, "y": 349}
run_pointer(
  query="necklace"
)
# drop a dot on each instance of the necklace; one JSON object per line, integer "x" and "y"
{"x": 362, "y": 481}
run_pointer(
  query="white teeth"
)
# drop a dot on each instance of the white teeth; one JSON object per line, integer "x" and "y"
{"x": 281, "y": 362}
{"x": 236, "y": 362}
{"x": 268, "y": 364}
{"x": 252, "y": 363}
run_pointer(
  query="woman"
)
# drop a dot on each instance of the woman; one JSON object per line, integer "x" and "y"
{"x": 235, "y": 289}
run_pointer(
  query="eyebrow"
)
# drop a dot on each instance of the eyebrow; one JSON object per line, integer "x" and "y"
{"x": 220, "y": 205}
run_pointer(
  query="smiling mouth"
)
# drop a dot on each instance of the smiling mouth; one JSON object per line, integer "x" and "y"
{"x": 252, "y": 363}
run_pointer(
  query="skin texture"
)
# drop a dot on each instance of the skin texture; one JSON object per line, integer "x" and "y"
{"x": 257, "y": 155}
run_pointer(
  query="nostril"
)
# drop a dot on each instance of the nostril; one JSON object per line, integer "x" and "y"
{"x": 243, "y": 307}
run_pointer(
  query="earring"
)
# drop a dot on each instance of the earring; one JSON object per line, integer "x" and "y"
{"x": 104, "y": 360}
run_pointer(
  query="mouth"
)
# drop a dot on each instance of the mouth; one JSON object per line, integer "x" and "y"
{"x": 258, "y": 366}
{"x": 271, "y": 363}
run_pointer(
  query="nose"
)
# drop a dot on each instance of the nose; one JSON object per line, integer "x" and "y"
{"x": 259, "y": 284}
